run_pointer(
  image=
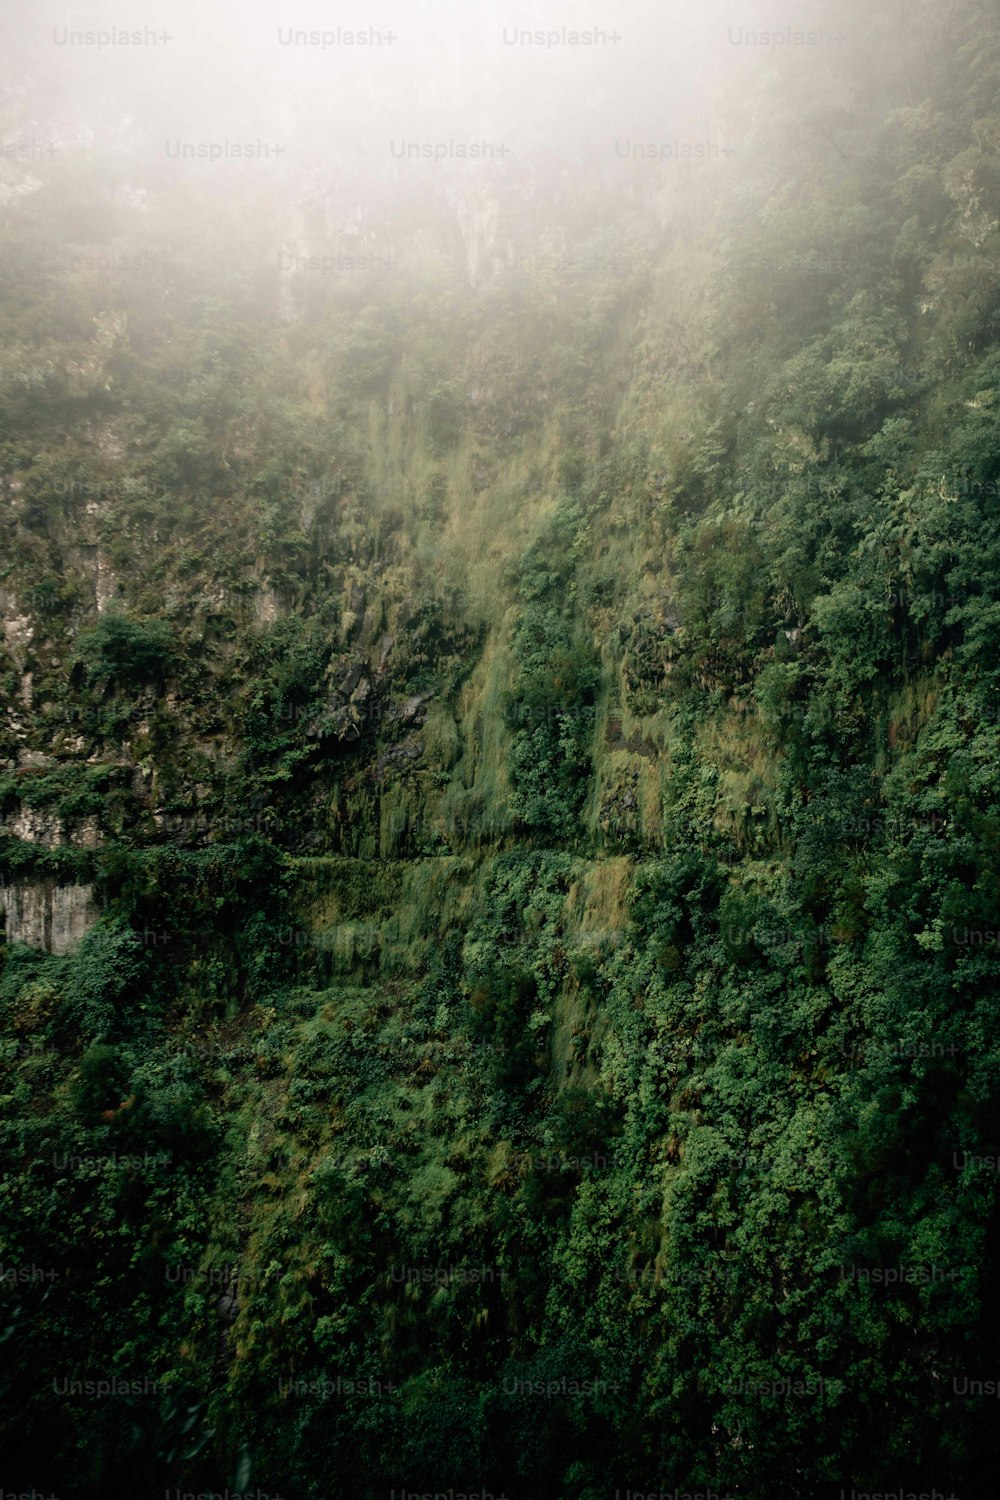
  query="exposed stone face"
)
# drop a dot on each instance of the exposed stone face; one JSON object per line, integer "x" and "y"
{"x": 478, "y": 215}
{"x": 266, "y": 604}
{"x": 328, "y": 235}
{"x": 41, "y": 914}
{"x": 87, "y": 834}
{"x": 35, "y": 827}
{"x": 35, "y": 760}
{"x": 17, "y": 628}
{"x": 105, "y": 583}
{"x": 89, "y": 559}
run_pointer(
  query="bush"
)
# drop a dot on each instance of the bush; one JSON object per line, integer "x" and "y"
{"x": 121, "y": 651}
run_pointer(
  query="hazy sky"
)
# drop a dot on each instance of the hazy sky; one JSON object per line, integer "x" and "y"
{"x": 156, "y": 105}
{"x": 439, "y": 72}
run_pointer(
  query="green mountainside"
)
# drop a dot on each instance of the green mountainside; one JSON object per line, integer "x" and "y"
{"x": 500, "y": 822}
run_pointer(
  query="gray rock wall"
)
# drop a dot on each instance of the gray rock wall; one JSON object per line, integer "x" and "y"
{"x": 44, "y": 915}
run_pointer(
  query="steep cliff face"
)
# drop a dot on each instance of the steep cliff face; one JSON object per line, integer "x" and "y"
{"x": 18, "y": 635}
{"x": 52, "y": 918}
{"x": 498, "y": 818}
{"x": 477, "y": 213}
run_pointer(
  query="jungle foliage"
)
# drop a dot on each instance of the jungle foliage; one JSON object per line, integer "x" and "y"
{"x": 540, "y": 1034}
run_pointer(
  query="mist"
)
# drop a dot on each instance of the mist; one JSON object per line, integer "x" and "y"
{"x": 499, "y": 703}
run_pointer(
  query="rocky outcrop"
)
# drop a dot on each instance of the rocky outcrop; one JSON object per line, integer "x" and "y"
{"x": 265, "y": 605}
{"x": 36, "y": 826}
{"x": 17, "y": 629}
{"x": 477, "y": 213}
{"x": 41, "y": 914}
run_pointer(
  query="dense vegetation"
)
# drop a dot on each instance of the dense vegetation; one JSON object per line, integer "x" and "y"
{"x": 534, "y": 748}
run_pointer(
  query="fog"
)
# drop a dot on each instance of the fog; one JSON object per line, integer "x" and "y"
{"x": 256, "y": 99}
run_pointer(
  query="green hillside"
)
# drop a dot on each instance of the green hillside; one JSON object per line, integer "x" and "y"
{"x": 500, "y": 823}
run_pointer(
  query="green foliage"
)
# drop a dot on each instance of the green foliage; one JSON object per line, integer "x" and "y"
{"x": 575, "y": 1169}
{"x": 123, "y": 652}
{"x": 551, "y": 704}
{"x": 551, "y": 711}
{"x": 107, "y": 980}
